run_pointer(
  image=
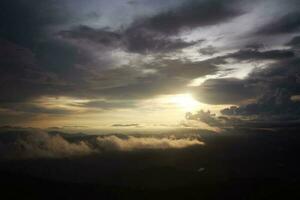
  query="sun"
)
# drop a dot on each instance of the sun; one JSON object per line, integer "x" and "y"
{"x": 185, "y": 101}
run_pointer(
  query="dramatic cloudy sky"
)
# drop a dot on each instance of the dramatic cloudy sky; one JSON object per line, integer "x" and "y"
{"x": 139, "y": 63}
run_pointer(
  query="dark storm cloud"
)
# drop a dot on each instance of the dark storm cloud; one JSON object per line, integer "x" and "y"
{"x": 30, "y": 108}
{"x": 36, "y": 63}
{"x": 131, "y": 82}
{"x": 61, "y": 57}
{"x": 237, "y": 91}
{"x": 146, "y": 87}
{"x": 209, "y": 50}
{"x": 24, "y": 22}
{"x": 108, "y": 104}
{"x": 206, "y": 117}
{"x": 272, "y": 106}
{"x": 162, "y": 76}
{"x": 245, "y": 122}
{"x": 40, "y": 55}
{"x": 146, "y": 42}
{"x": 139, "y": 41}
{"x": 276, "y": 104}
{"x": 171, "y": 76}
{"x": 187, "y": 69}
{"x": 168, "y": 77}
{"x": 288, "y": 23}
{"x": 224, "y": 91}
{"x": 21, "y": 77}
{"x": 102, "y": 36}
{"x": 294, "y": 42}
{"x": 32, "y": 24}
{"x": 190, "y": 15}
{"x": 280, "y": 75}
{"x": 154, "y": 34}
{"x": 8, "y": 116}
{"x": 252, "y": 54}
{"x": 279, "y": 82}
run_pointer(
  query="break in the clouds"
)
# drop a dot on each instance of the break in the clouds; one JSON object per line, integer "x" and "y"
{"x": 121, "y": 62}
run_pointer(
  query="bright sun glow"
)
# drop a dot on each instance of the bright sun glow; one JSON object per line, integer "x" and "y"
{"x": 185, "y": 101}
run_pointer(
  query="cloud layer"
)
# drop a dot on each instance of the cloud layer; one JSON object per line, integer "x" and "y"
{"x": 34, "y": 144}
{"x": 135, "y": 143}
{"x": 39, "y": 144}
{"x": 106, "y": 60}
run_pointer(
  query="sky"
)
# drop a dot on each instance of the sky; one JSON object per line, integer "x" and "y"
{"x": 121, "y": 64}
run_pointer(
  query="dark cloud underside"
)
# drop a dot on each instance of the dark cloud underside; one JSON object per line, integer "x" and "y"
{"x": 190, "y": 15}
{"x": 50, "y": 49}
{"x": 286, "y": 24}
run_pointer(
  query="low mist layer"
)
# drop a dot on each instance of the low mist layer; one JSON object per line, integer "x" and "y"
{"x": 27, "y": 144}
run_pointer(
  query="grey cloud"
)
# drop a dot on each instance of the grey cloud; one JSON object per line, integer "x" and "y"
{"x": 254, "y": 46}
{"x": 125, "y": 125}
{"x": 61, "y": 57}
{"x": 206, "y": 117}
{"x": 38, "y": 63}
{"x": 32, "y": 81}
{"x": 288, "y": 23}
{"x": 126, "y": 82}
{"x": 137, "y": 41}
{"x": 31, "y": 18}
{"x": 274, "y": 107}
{"x": 101, "y": 36}
{"x": 21, "y": 77}
{"x": 9, "y": 116}
{"x": 294, "y": 42}
{"x": 190, "y": 15}
{"x": 209, "y": 50}
{"x": 282, "y": 73}
{"x": 31, "y": 25}
{"x": 252, "y": 54}
{"x": 273, "y": 104}
{"x": 243, "y": 122}
{"x": 224, "y": 91}
{"x": 52, "y": 65}
{"x": 147, "y": 42}
{"x": 32, "y": 108}
{"x": 169, "y": 77}
{"x": 108, "y": 104}
{"x": 154, "y": 34}
{"x": 147, "y": 86}
{"x": 222, "y": 122}
{"x": 188, "y": 69}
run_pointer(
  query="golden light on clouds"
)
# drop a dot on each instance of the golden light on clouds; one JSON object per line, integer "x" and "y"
{"x": 60, "y": 102}
{"x": 159, "y": 112}
{"x": 185, "y": 102}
